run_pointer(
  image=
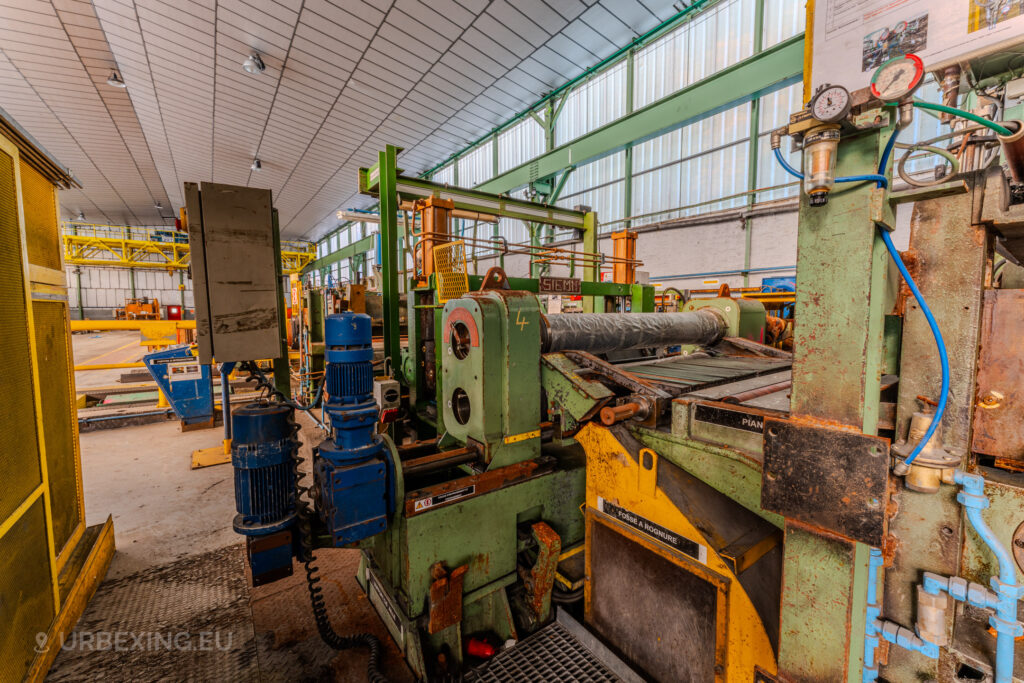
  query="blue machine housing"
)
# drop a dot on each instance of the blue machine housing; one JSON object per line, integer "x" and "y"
{"x": 352, "y": 470}
{"x": 263, "y": 449}
{"x": 186, "y": 383}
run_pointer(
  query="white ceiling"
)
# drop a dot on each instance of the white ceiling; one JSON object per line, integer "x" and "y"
{"x": 343, "y": 78}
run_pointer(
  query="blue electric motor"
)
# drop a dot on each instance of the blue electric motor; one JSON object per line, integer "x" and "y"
{"x": 262, "y": 452}
{"x": 353, "y": 468}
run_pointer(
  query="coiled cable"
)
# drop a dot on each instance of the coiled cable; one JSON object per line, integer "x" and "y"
{"x": 316, "y": 598}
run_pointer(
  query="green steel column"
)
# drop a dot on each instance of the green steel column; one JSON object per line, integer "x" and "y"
{"x": 952, "y": 253}
{"x": 840, "y": 311}
{"x": 282, "y": 365}
{"x": 131, "y": 280}
{"x": 752, "y": 160}
{"x": 78, "y": 282}
{"x": 748, "y": 222}
{"x": 590, "y": 270}
{"x": 494, "y": 155}
{"x": 391, "y": 299}
{"x": 627, "y": 171}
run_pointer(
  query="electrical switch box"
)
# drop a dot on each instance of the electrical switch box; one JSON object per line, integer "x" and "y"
{"x": 235, "y": 271}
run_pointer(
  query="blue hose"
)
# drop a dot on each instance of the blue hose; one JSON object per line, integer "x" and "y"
{"x": 844, "y": 179}
{"x": 882, "y": 181}
{"x": 940, "y": 409}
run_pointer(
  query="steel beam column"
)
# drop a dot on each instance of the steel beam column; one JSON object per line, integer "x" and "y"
{"x": 389, "y": 230}
{"x": 836, "y": 379}
{"x": 774, "y": 68}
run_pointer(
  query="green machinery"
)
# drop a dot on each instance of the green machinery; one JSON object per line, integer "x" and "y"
{"x": 797, "y": 517}
{"x": 489, "y": 480}
{"x": 818, "y": 517}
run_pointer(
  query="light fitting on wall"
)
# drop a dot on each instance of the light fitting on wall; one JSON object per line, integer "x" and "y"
{"x": 254, "y": 64}
{"x": 256, "y": 165}
{"x": 115, "y": 80}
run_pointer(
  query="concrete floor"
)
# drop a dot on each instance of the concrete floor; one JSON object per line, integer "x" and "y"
{"x": 179, "y": 566}
{"x": 95, "y": 348}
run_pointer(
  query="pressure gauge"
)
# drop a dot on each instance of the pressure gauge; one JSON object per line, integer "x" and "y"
{"x": 830, "y": 104}
{"x": 897, "y": 78}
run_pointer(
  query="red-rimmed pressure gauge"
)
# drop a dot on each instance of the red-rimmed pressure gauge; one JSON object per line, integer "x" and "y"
{"x": 897, "y": 78}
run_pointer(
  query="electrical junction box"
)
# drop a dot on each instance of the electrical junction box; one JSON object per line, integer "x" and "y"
{"x": 388, "y": 395}
{"x": 235, "y": 269}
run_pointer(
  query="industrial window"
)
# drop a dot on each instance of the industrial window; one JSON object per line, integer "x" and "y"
{"x": 597, "y": 102}
{"x": 477, "y": 165}
{"x": 783, "y": 19}
{"x": 519, "y": 143}
{"x": 775, "y": 109}
{"x": 708, "y": 43}
{"x": 445, "y": 175}
{"x": 512, "y": 229}
{"x": 601, "y": 186}
{"x": 925, "y": 127}
{"x": 344, "y": 238}
{"x": 334, "y": 243}
{"x": 692, "y": 167}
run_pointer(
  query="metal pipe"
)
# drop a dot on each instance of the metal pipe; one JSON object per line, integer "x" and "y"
{"x": 1013, "y": 150}
{"x": 612, "y": 414}
{"x": 1004, "y": 621}
{"x": 606, "y": 332}
{"x": 760, "y": 391}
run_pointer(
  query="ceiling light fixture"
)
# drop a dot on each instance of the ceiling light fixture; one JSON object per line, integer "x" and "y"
{"x": 115, "y": 80}
{"x": 80, "y": 216}
{"x": 256, "y": 165}
{"x": 254, "y": 64}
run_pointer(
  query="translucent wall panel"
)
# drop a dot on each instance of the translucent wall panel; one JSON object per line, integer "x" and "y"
{"x": 477, "y": 165}
{"x": 520, "y": 143}
{"x": 775, "y": 110}
{"x": 597, "y": 102}
{"x": 925, "y": 127}
{"x": 600, "y": 186}
{"x": 695, "y": 50}
{"x": 695, "y": 164}
{"x": 783, "y": 19}
{"x": 445, "y": 175}
{"x": 513, "y": 230}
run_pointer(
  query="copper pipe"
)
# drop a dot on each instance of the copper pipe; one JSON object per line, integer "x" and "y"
{"x": 1013, "y": 150}
{"x": 950, "y": 90}
{"x": 755, "y": 393}
{"x": 612, "y": 414}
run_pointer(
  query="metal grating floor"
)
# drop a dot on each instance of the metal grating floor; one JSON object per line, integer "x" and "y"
{"x": 552, "y": 654}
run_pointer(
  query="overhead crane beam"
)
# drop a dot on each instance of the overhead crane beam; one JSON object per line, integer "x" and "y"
{"x": 120, "y": 247}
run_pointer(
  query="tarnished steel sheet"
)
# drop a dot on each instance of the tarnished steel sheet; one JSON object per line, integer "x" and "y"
{"x": 999, "y": 412}
{"x": 830, "y": 479}
{"x": 692, "y": 373}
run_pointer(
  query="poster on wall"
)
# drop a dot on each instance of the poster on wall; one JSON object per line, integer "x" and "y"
{"x": 852, "y": 38}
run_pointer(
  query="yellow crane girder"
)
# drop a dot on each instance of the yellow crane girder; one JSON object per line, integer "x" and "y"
{"x": 112, "y": 246}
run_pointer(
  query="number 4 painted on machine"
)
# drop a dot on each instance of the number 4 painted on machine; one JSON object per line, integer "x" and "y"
{"x": 521, "y": 321}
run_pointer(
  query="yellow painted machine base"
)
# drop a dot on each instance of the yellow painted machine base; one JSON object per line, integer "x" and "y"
{"x": 215, "y": 455}
{"x": 88, "y": 580}
{"x": 613, "y": 476}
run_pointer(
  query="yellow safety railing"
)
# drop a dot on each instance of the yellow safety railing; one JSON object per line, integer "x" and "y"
{"x": 91, "y": 244}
